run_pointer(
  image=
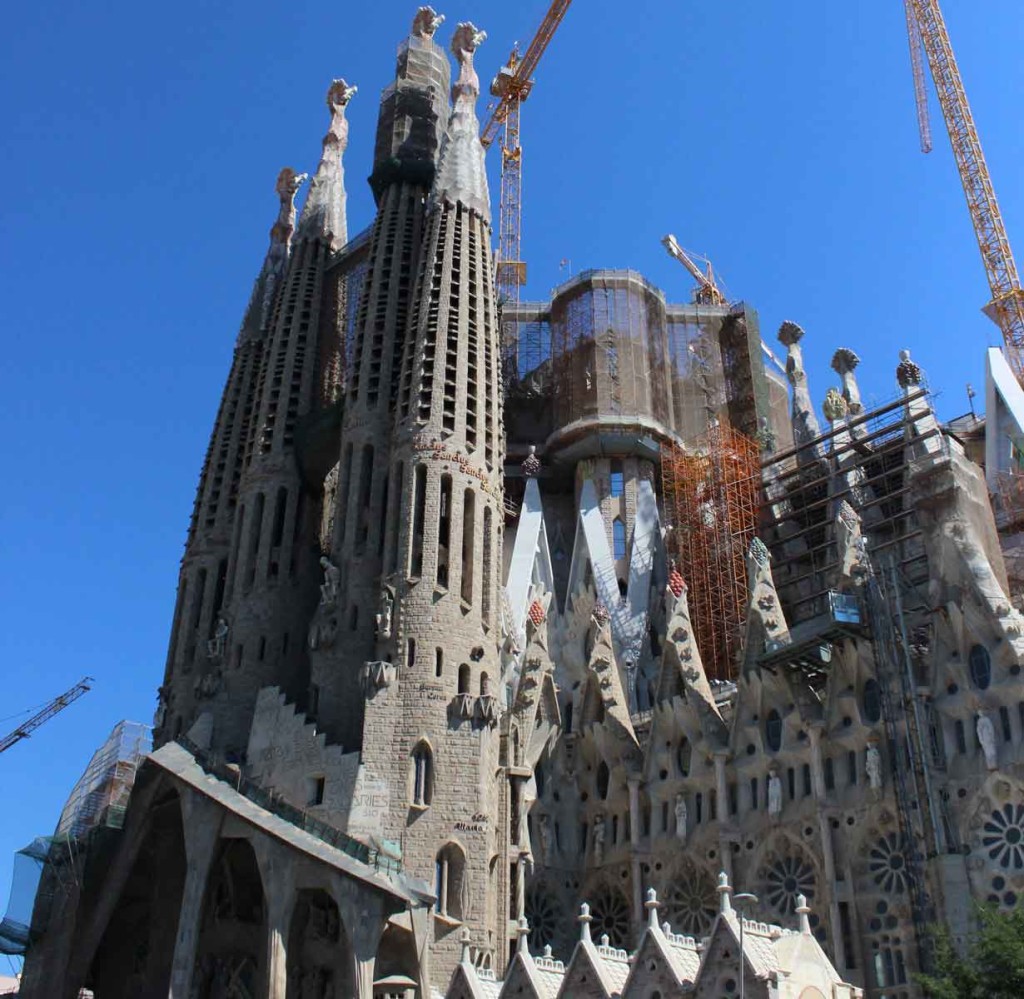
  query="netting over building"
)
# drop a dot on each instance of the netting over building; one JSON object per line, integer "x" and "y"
{"x": 101, "y": 794}
{"x": 711, "y": 498}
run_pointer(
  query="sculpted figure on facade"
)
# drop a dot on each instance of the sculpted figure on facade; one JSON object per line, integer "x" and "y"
{"x": 774, "y": 794}
{"x": 544, "y": 825}
{"x": 681, "y": 817}
{"x": 599, "y": 834}
{"x": 215, "y": 646}
{"x": 987, "y": 737}
{"x": 332, "y": 580}
{"x": 385, "y": 613}
{"x": 873, "y": 765}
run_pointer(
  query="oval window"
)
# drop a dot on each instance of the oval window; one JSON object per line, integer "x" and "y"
{"x": 980, "y": 663}
{"x": 773, "y": 730}
{"x": 872, "y": 700}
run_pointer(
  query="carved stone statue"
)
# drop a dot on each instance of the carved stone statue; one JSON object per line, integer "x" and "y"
{"x": 681, "y": 818}
{"x": 426, "y": 22}
{"x": 332, "y": 580}
{"x": 873, "y": 766}
{"x": 834, "y": 407}
{"x": 544, "y": 827}
{"x": 215, "y": 646}
{"x": 987, "y": 737}
{"x": 774, "y": 794}
{"x": 385, "y": 613}
{"x": 599, "y": 834}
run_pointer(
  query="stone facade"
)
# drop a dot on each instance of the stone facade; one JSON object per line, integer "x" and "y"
{"x": 434, "y": 677}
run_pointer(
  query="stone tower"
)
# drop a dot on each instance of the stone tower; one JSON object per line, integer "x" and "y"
{"x": 342, "y": 637}
{"x": 248, "y": 578}
{"x": 431, "y": 714}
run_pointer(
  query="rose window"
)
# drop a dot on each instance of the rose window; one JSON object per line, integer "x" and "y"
{"x": 691, "y": 903}
{"x": 546, "y": 919}
{"x": 786, "y": 878}
{"x": 610, "y": 914}
{"x": 887, "y": 863}
{"x": 1003, "y": 836}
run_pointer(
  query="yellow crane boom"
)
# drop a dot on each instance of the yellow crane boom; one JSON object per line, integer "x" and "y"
{"x": 1006, "y": 308}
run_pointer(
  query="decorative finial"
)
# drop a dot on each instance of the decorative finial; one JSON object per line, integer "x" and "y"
{"x": 585, "y": 919}
{"x": 834, "y": 407}
{"x": 803, "y": 911}
{"x": 758, "y": 551}
{"x": 464, "y": 44}
{"x": 287, "y": 186}
{"x": 908, "y": 373}
{"x": 666, "y": 927}
{"x": 601, "y": 615}
{"x": 536, "y": 613}
{"x": 464, "y": 939}
{"x": 766, "y": 436}
{"x": 651, "y": 905}
{"x": 790, "y": 334}
{"x": 844, "y": 361}
{"x": 426, "y": 22}
{"x": 522, "y": 933}
{"x": 676, "y": 583}
{"x": 605, "y": 940}
{"x": 339, "y": 93}
{"x": 724, "y": 891}
{"x": 531, "y": 464}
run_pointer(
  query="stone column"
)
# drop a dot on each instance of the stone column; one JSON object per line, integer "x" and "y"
{"x": 722, "y": 796}
{"x": 827, "y": 851}
{"x": 201, "y": 820}
{"x": 633, "y": 783}
{"x": 277, "y": 872}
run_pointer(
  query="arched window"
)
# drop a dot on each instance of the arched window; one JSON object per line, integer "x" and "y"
{"x": 422, "y": 775}
{"x": 485, "y": 685}
{"x": 618, "y": 539}
{"x": 618, "y": 480}
{"x": 773, "y": 730}
{"x": 450, "y": 870}
{"x": 872, "y": 700}
{"x": 464, "y": 678}
{"x": 683, "y": 757}
{"x": 438, "y": 662}
{"x": 980, "y": 663}
{"x": 602, "y": 780}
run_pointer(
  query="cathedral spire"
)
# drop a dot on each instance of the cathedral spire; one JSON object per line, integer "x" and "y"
{"x": 258, "y": 310}
{"x": 462, "y": 176}
{"x": 324, "y": 211}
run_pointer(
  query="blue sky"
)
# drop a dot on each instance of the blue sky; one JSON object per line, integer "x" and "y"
{"x": 141, "y": 145}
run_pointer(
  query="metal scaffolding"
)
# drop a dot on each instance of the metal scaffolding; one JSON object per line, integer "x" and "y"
{"x": 711, "y": 502}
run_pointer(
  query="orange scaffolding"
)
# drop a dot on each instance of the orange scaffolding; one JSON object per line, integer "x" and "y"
{"x": 711, "y": 494}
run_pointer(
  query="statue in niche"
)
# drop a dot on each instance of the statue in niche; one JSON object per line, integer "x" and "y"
{"x": 873, "y": 766}
{"x": 332, "y": 580}
{"x": 599, "y": 834}
{"x": 385, "y": 614}
{"x": 544, "y": 825}
{"x": 215, "y": 646}
{"x": 987, "y": 737}
{"x": 774, "y": 794}
{"x": 681, "y": 817}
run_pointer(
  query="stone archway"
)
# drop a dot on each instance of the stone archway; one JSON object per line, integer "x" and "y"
{"x": 133, "y": 959}
{"x": 231, "y": 961}
{"x": 320, "y": 963}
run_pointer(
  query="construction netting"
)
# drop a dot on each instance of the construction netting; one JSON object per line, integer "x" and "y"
{"x": 101, "y": 795}
{"x": 28, "y": 868}
{"x": 711, "y": 494}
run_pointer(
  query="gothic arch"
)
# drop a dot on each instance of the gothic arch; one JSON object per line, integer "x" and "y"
{"x": 231, "y": 958}
{"x": 320, "y": 961}
{"x": 133, "y": 960}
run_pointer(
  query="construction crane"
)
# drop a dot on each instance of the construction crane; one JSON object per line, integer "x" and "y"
{"x": 58, "y": 704}
{"x": 707, "y": 291}
{"x": 924, "y": 126}
{"x": 1006, "y": 309}
{"x": 511, "y": 87}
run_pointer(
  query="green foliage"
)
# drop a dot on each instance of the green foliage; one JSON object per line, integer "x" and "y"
{"x": 992, "y": 965}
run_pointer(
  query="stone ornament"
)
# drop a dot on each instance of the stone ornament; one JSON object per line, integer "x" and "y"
{"x": 426, "y": 22}
{"x": 873, "y": 766}
{"x": 599, "y": 835}
{"x": 908, "y": 374}
{"x": 385, "y": 614}
{"x": 834, "y": 407}
{"x": 676, "y": 583}
{"x": 601, "y": 615}
{"x": 759, "y": 552}
{"x": 536, "y": 613}
{"x": 531, "y": 464}
{"x": 377, "y": 675}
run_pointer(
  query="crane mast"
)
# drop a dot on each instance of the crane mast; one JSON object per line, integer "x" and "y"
{"x": 1006, "y": 308}
{"x": 58, "y": 704}
{"x": 512, "y": 86}
{"x": 924, "y": 126}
